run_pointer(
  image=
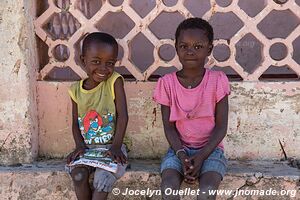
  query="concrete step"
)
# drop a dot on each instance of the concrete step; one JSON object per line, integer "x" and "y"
{"x": 47, "y": 180}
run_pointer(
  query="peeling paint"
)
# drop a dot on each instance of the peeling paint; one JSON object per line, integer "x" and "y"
{"x": 287, "y": 88}
{"x": 213, "y": 8}
{"x": 16, "y": 131}
{"x": 3, "y": 143}
{"x": 17, "y": 67}
{"x": 154, "y": 113}
{"x": 252, "y": 112}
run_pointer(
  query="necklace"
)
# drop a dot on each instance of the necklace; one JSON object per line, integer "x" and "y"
{"x": 191, "y": 82}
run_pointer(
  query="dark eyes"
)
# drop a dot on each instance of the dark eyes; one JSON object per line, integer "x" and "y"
{"x": 98, "y": 62}
{"x": 197, "y": 46}
{"x": 182, "y": 46}
{"x": 110, "y": 64}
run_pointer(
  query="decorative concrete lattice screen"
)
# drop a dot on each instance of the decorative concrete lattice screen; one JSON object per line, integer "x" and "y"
{"x": 253, "y": 39}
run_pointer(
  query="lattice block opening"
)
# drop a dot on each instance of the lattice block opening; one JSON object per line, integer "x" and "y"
{"x": 249, "y": 52}
{"x": 280, "y": 1}
{"x": 276, "y": 73}
{"x": 278, "y": 51}
{"x": 278, "y": 24}
{"x": 231, "y": 74}
{"x": 118, "y": 24}
{"x": 170, "y": 3}
{"x": 62, "y": 74}
{"x": 296, "y": 50}
{"x": 252, "y": 8}
{"x": 116, "y": 2}
{"x": 120, "y": 53}
{"x": 125, "y": 73}
{"x": 61, "y": 26}
{"x": 169, "y": 21}
{"x": 224, "y": 3}
{"x": 196, "y": 7}
{"x": 141, "y": 51}
{"x": 62, "y": 4}
{"x": 42, "y": 51}
{"x": 221, "y": 52}
{"x": 167, "y": 52}
{"x": 160, "y": 71}
{"x": 142, "y": 8}
{"x": 41, "y": 7}
{"x": 61, "y": 53}
{"x": 77, "y": 48}
{"x": 225, "y": 25}
{"x": 88, "y": 7}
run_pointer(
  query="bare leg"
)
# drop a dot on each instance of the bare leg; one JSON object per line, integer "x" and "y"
{"x": 80, "y": 177}
{"x": 99, "y": 195}
{"x": 208, "y": 181}
{"x": 170, "y": 179}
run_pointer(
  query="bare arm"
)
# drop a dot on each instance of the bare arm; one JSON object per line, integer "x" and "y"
{"x": 122, "y": 114}
{"x": 218, "y": 133}
{"x": 75, "y": 128}
{"x": 172, "y": 136}
{"x": 220, "y": 129}
{"x": 170, "y": 129}
{"x": 79, "y": 141}
{"x": 121, "y": 121}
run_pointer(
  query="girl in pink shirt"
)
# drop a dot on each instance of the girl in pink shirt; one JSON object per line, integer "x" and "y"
{"x": 194, "y": 106}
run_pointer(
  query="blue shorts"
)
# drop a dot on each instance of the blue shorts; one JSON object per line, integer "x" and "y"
{"x": 215, "y": 162}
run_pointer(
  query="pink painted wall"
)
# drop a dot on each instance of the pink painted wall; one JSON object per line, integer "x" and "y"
{"x": 260, "y": 115}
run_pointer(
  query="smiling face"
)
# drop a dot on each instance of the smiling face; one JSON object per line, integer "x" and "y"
{"x": 193, "y": 47}
{"x": 99, "y": 59}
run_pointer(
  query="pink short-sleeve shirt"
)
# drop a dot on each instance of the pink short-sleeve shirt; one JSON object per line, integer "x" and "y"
{"x": 193, "y": 110}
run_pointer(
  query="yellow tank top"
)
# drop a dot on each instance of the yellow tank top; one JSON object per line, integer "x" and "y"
{"x": 96, "y": 110}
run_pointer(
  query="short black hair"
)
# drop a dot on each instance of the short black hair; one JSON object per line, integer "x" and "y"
{"x": 195, "y": 23}
{"x": 98, "y": 37}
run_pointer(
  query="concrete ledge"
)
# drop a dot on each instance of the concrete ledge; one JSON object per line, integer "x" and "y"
{"x": 47, "y": 180}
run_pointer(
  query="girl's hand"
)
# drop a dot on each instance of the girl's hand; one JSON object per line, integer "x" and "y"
{"x": 197, "y": 161}
{"x": 187, "y": 165}
{"x": 77, "y": 152}
{"x": 117, "y": 155}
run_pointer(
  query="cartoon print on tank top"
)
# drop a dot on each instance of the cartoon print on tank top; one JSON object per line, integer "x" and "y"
{"x": 96, "y": 129}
